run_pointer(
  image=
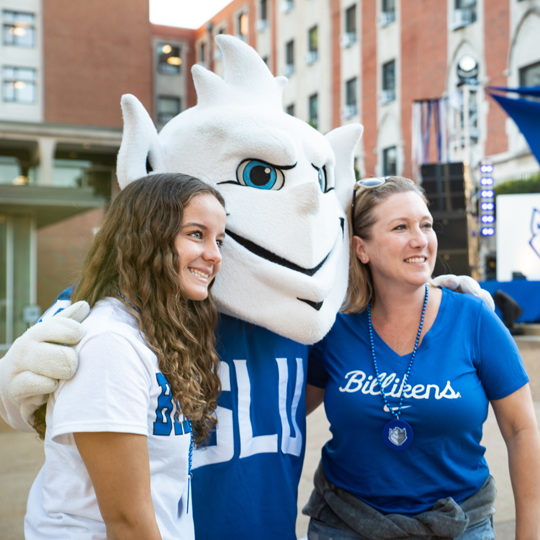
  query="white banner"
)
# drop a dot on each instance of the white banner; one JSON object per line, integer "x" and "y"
{"x": 518, "y": 236}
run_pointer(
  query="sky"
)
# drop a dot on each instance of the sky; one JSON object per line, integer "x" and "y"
{"x": 184, "y": 13}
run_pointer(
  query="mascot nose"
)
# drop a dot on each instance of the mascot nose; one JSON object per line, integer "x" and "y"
{"x": 307, "y": 197}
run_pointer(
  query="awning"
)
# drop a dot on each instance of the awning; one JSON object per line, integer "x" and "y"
{"x": 525, "y": 113}
{"x": 47, "y": 205}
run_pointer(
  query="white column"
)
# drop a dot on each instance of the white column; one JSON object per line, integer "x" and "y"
{"x": 47, "y": 148}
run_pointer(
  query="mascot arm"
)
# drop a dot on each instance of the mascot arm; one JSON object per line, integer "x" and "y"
{"x": 464, "y": 284}
{"x": 31, "y": 368}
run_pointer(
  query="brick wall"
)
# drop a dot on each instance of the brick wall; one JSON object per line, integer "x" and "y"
{"x": 369, "y": 84}
{"x": 497, "y": 42}
{"x": 93, "y": 53}
{"x": 335, "y": 14}
{"x": 423, "y": 63}
{"x": 61, "y": 249}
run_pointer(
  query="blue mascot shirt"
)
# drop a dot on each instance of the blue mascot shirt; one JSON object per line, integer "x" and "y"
{"x": 466, "y": 359}
{"x": 248, "y": 485}
{"x": 245, "y": 481}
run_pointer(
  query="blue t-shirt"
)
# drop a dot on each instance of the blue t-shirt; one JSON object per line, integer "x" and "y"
{"x": 466, "y": 359}
{"x": 248, "y": 484}
{"x": 245, "y": 482}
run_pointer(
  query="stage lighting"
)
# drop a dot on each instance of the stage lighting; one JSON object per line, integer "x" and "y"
{"x": 486, "y": 168}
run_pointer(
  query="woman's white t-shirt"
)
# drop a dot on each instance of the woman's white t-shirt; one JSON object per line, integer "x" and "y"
{"x": 118, "y": 387}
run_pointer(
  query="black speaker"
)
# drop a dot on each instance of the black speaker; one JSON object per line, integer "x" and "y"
{"x": 444, "y": 186}
{"x": 445, "y": 189}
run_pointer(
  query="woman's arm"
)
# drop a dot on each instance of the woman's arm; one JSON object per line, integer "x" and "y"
{"x": 517, "y": 422}
{"x": 119, "y": 468}
{"x": 314, "y": 397}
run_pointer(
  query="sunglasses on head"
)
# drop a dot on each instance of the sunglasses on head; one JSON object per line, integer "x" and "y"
{"x": 366, "y": 183}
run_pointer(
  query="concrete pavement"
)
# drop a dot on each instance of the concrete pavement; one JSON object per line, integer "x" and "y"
{"x": 21, "y": 456}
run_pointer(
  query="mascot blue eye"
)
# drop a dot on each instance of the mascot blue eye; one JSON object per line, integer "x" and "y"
{"x": 321, "y": 177}
{"x": 260, "y": 175}
{"x": 322, "y": 180}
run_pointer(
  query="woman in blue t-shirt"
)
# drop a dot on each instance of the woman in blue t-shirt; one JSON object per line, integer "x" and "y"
{"x": 407, "y": 374}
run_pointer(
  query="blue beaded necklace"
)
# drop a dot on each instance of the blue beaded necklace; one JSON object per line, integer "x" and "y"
{"x": 397, "y": 434}
{"x": 126, "y": 300}
{"x": 190, "y": 462}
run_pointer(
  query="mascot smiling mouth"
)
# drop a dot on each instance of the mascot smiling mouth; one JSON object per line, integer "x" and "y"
{"x": 276, "y": 259}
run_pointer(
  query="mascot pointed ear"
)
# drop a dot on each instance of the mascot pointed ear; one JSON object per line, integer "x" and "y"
{"x": 210, "y": 87}
{"x": 140, "y": 144}
{"x": 343, "y": 141}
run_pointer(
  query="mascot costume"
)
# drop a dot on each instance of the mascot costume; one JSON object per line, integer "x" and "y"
{"x": 285, "y": 260}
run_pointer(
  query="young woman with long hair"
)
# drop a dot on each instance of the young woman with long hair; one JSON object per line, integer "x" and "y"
{"x": 119, "y": 437}
{"x": 407, "y": 374}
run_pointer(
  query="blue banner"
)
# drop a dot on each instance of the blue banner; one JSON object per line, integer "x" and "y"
{"x": 525, "y": 113}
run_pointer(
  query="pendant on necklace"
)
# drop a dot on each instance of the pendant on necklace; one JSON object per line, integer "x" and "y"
{"x": 397, "y": 434}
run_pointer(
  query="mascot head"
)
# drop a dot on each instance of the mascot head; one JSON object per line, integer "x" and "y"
{"x": 286, "y": 187}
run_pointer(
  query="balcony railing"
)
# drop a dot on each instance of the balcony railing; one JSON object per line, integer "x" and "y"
{"x": 348, "y": 111}
{"x": 311, "y": 57}
{"x": 261, "y": 25}
{"x": 347, "y": 39}
{"x": 386, "y": 96}
{"x": 462, "y": 18}
{"x": 386, "y": 18}
{"x": 288, "y": 70}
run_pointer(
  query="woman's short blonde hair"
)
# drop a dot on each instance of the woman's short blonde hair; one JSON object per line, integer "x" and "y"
{"x": 360, "y": 289}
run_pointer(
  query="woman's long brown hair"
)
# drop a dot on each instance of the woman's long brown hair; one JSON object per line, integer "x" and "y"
{"x": 134, "y": 254}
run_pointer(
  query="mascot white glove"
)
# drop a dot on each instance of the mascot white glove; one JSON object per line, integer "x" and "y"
{"x": 31, "y": 368}
{"x": 464, "y": 284}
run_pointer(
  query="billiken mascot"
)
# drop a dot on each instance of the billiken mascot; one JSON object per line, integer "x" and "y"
{"x": 285, "y": 260}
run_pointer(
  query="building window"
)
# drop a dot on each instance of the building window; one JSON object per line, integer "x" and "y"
{"x": 167, "y": 108}
{"x": 464, "y": 13}
{"x": 313, "y": 46}
{"x": 202, "y": 53}
{"x": 243, "y": 26}
{"x": 349, "y": 36}
{"x": 289, "y": 58}
{"x": 218, "y": 55}
{"x": 314, "y": 111}
{"x": 169, "y": 60}
{"x": 19, "y": 29}
{"x": 19, "y": 85}
{"x": 388, "y": 12}
{"x": 350, "y": 20}
{"x": 390, "y": 161}
{"x": 17, "y": 257}
{"x": 262, "y": 22}
{"x": 388, "y": 93}
{"x": 290, "y": 109}
{"x": 530, "y": 75}
{"x": 351, "y": 107}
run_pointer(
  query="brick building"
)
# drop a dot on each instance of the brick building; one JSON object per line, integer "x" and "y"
{"x": 65, "y": 64}
{"x": 380, "y": 63}
{"x": 368, "y": 61}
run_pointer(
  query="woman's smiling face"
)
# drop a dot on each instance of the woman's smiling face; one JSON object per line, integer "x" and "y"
{"x": 199, "y": 245}
{"x": 403, "y": 244}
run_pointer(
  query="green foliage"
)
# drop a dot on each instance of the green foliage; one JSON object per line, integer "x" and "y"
{"x": 521, "y": 185}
